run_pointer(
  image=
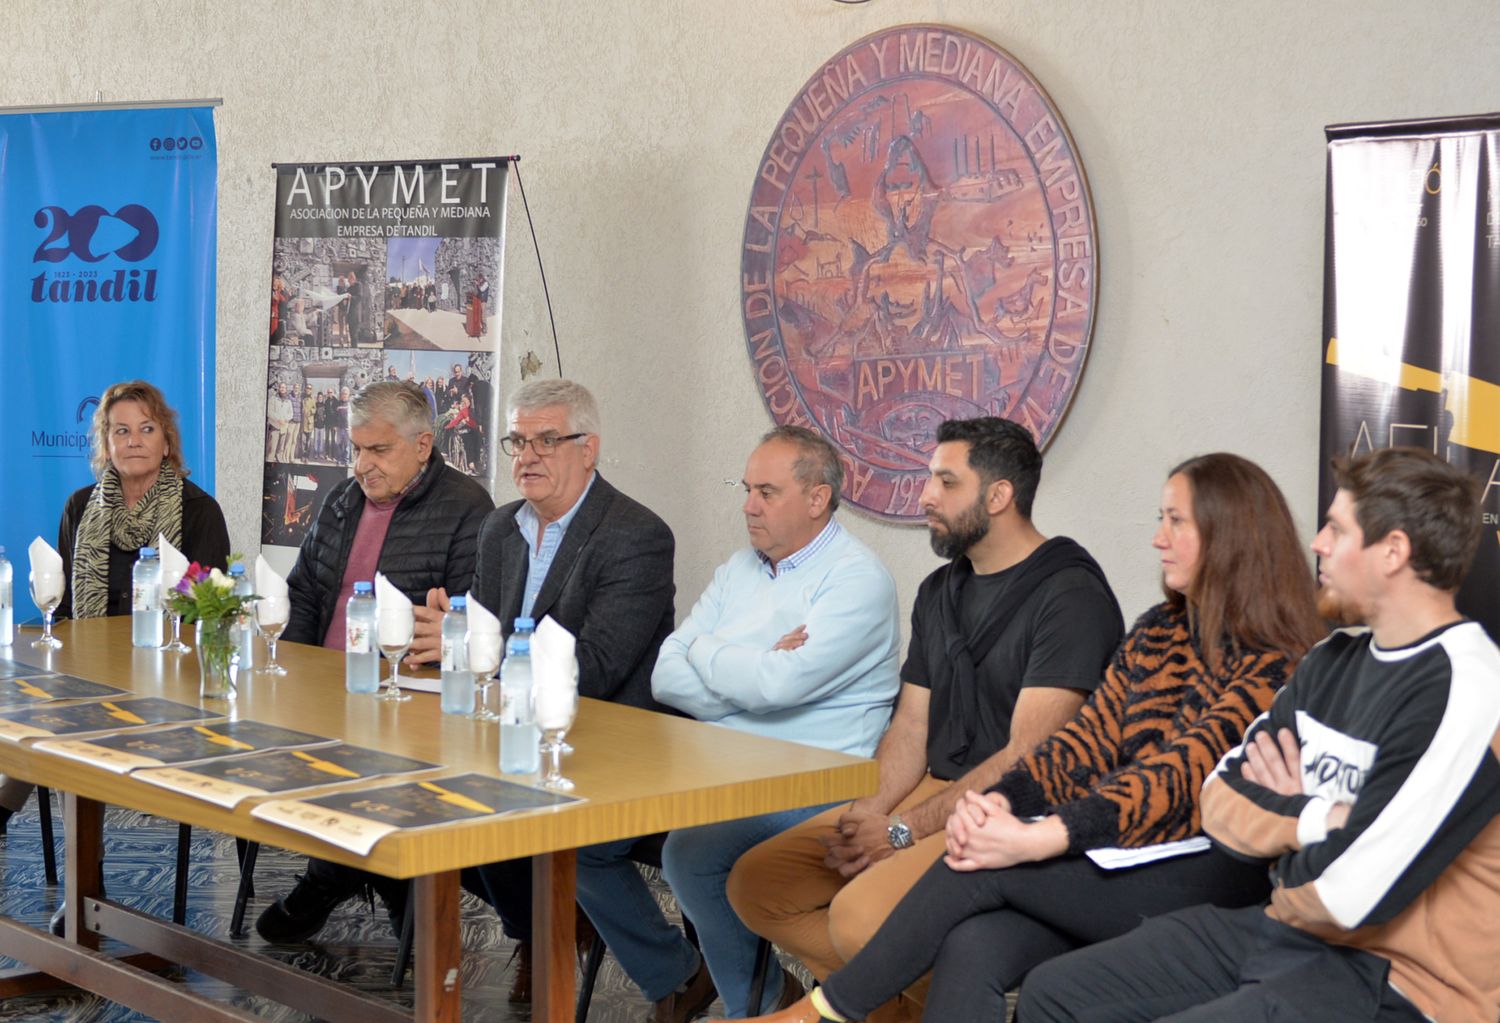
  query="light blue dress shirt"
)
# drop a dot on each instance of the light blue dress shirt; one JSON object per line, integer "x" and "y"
{"x": 539, "y": 559}
{"x": 835, "y": 691}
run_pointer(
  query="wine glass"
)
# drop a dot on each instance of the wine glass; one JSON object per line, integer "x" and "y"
{"x": 484, "y": 661}
{"x": 554, "y": 707}
{"x": 46, "y": 585}
{"x": 395, "y": 634}
{"x": 271, "y": 616}
{"x": 177, "y": 646}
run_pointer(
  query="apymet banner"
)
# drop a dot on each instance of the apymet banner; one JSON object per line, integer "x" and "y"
{"x": 1411, "y": 317}
{"x": 108, "y": 234}
{"x": 380, "y": 271}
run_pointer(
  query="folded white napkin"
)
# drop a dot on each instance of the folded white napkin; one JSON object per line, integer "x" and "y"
{"x": 555, "y": 707}
{"x": 174, "y": 564}
{"x": 271, "y": 610}
{"x": 393, "y": 613}
{"x": 553, "y": 660}
{"x": 275, "y": 603}
{"x": 483, "y": 638}
{"x": 46, "y": 572}
{"x": 267, "y": 582}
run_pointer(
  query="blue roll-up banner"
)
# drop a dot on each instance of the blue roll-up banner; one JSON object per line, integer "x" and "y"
{"x": 108, "y": 227}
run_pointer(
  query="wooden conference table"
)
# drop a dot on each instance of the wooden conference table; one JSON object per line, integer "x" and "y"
{"x": 637, "y": 772}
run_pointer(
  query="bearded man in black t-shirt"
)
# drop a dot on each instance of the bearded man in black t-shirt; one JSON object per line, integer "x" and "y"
{"x": 1007, "y": 640}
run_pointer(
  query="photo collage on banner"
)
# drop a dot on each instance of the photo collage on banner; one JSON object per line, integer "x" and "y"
{"x": 379, "y": 272}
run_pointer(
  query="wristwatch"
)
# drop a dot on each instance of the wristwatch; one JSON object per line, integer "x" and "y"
{"x": 900, "y": 833}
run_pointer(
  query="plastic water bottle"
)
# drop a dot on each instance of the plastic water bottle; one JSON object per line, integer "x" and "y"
{"x": 520, "y": 742}
{"x": 145, "y": 600}
{"x": 458, "y": 684}
{"x": 244, "y": 627}
{"x": 7, "y": 614}
{"x": 361, "y": 659}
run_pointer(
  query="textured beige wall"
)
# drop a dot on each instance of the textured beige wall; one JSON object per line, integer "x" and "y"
{"x": 641, "y": 123}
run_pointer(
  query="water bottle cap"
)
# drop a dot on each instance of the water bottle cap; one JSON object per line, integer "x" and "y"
{"x": 525, "y": 625}
{"x": 363, "y": 588}
{"x": 458, "y": 603}
{"x": 148, "y": 552}
{"x": 2, "y": 548}
{"x": 236, "y": 570}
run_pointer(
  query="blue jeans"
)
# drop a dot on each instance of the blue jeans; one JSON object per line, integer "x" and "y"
{"x": 696, "y": 863}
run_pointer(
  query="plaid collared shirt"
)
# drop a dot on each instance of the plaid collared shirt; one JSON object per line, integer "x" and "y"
{"x": 789, "y": 563}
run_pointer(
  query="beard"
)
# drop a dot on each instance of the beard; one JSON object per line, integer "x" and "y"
{"x": 1332, "y": 607}
{"x": 964, "y": 532}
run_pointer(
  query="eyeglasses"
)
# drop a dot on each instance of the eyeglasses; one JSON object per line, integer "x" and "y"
{"x": 544, "y": 445}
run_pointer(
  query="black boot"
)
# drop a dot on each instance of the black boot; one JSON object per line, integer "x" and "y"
{"x": 302, "y": 912}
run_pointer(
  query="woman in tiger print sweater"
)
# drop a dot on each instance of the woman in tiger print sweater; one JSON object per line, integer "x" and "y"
{"x": 1015, "y": 889}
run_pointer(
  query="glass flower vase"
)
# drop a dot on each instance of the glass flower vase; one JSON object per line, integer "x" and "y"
{"x": 216, "y": 649}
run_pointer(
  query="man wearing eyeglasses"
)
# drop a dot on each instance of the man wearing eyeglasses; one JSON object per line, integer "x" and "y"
{"x": 574, "y": 548}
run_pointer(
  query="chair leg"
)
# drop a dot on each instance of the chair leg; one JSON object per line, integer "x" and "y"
{"x": 245, "y": 890}
{"x": 240, "y": 845}
{"x": 403, "y": 950}
{"x": 179, "y": 893}
{"x": 591, "y": 964}
{"x": 763, "y": 961}
{"x": 49, "y": 846}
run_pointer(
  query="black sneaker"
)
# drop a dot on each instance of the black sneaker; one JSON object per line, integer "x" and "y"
{"x": 300, "y": 913}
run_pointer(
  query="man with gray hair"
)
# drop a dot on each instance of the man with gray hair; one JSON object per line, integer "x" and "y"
{"x": 406, "y": 514}
{"x": 795, "y": 638}
{"x": 573, "y": 547}
{"x": 576, "y": 549}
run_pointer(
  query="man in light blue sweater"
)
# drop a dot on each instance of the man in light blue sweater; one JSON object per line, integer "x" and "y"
{"x": 796, "y": 638}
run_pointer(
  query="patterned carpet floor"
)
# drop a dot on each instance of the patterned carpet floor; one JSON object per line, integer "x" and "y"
{"x": 356, "y": 947}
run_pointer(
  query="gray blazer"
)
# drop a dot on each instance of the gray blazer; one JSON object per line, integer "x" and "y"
{"x": 610, "y": 585}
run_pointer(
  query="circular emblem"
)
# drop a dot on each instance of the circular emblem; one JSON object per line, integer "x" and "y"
{"x": 920, "y": 246}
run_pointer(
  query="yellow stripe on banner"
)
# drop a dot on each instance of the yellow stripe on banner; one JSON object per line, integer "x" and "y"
{"x": 1384, "y": 370}
{"x": 116, "y": 711}
{"x": 1473, "y": 403}
{"x": 31, "y": 690}
{"x": 457, "y": 798}
{"x": 220, "y": 739}
{"x": 326, "y": 766}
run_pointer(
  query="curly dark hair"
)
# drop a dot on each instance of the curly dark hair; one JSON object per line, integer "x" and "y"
{"x": 999, "y": 450}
